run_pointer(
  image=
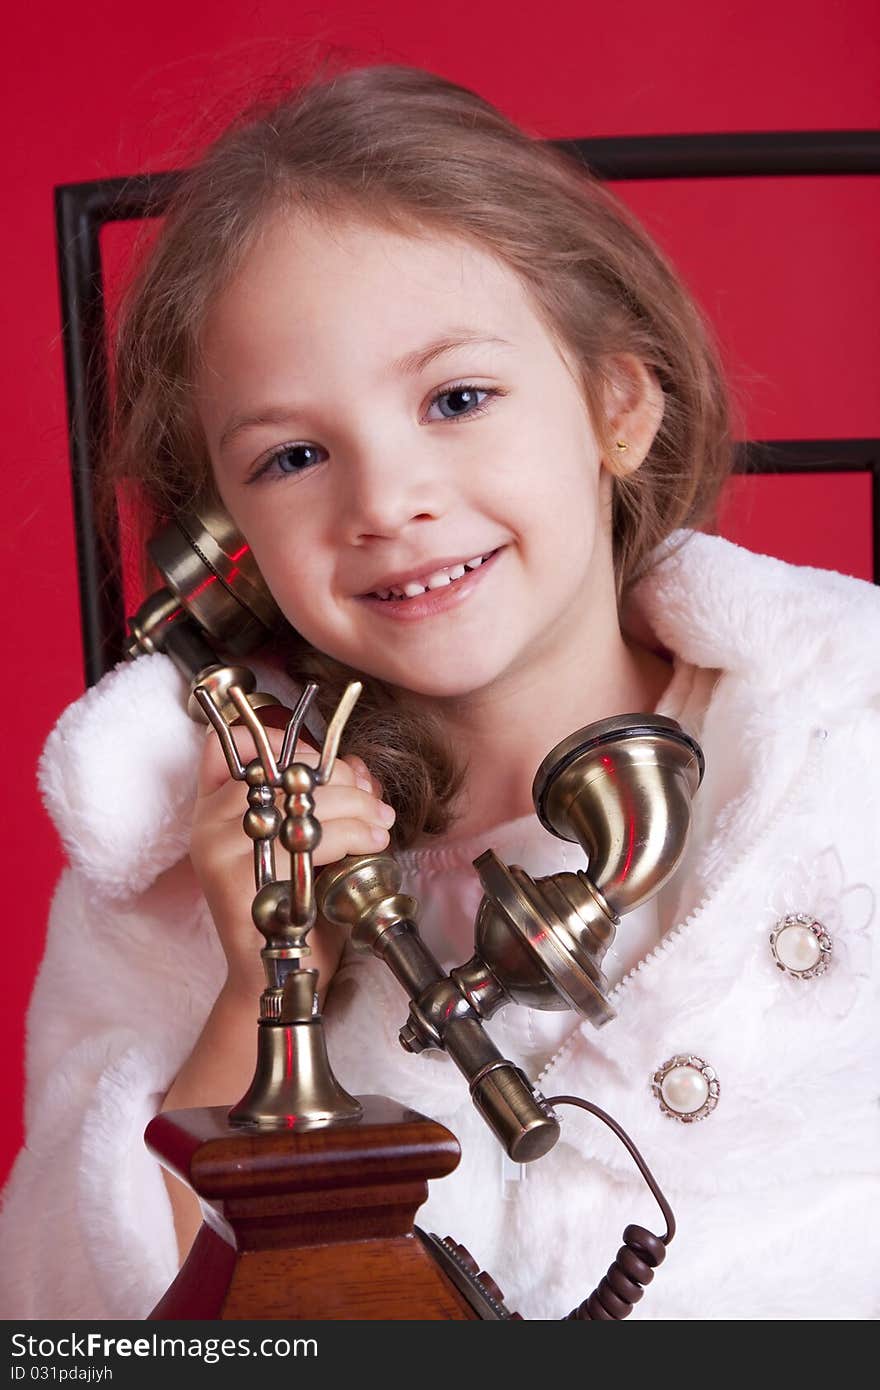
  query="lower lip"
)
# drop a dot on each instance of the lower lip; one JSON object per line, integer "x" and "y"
{"x": 433, "y": 600}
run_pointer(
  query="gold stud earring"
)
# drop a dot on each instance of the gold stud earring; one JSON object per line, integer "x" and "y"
{"x": 621, "y": 446}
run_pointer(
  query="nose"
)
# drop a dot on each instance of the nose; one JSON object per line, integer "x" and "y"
{"x": 387, "y": 487}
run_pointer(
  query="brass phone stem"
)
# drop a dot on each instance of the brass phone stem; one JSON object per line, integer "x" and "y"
{"x": 361, "y": 893}
{"x": 184, "y": 643}
{"x": 149, "y": 626}
{"x": 162, "y": 624}
{"x": 293, "y": 1083}
{"x": 264, "y": 862}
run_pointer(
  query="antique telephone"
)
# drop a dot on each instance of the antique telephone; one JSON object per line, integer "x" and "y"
{"x": 621, "y": 788}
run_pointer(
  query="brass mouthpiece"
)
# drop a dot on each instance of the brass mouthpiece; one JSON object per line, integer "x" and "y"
{"x": 622, "y": 789}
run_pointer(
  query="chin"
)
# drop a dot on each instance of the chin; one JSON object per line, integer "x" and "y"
{"x": 442, "y": 674}
{"x": 456, "y": 683}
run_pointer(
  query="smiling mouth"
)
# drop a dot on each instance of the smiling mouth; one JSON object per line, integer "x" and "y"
{"x": 443, "y": 579}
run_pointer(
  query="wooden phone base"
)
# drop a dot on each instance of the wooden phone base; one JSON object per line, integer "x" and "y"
{"x": 311, "y": 1223}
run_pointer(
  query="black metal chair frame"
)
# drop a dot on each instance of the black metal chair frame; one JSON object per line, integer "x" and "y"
{"x": 82, "y": 209}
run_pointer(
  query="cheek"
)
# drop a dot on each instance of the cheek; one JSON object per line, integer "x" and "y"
{"x": 289, "y": 564}
{"x": 287, "y": 554}
{"x": 605, "y": 497}
{"x": 551, "y": 449}
{"x": 559, "y": 488}
{"x": 285, "y": 569}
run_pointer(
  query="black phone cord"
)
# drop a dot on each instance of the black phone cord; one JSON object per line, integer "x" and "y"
{"x": 641, "y": 1251}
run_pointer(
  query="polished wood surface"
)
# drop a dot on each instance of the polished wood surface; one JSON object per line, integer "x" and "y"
{"x": 309, "y": 1223}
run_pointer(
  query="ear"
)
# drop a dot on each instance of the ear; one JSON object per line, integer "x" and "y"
{"x": 633, "y": 412}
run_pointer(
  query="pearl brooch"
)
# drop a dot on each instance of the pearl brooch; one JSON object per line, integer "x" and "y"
{"x": 686, "y": 1087}
{"x": 816, "y": 884}
{"x": 801, "y": 946}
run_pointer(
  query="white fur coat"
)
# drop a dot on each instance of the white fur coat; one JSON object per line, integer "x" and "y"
{"x": 776, "y": 1192}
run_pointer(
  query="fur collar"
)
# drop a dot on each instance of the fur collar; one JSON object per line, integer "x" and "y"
{"x": 718, "y": 605}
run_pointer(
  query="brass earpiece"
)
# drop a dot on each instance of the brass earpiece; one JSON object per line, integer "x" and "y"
{"x": 215, "y": 597}
{"x": 209, "y": 567}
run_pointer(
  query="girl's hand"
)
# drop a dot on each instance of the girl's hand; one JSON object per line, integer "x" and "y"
{"x": 354, "y": 820}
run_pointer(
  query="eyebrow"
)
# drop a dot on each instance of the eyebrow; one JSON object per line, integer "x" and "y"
{"x": 410, "y": 364}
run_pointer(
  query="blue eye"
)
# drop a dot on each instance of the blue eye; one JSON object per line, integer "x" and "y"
{"x": 288, "y": 460}
{"x": 306, "y": 452}
{"x": 463, "y": 399}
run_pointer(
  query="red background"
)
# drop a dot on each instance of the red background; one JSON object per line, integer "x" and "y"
{"x": 786, "y": 268}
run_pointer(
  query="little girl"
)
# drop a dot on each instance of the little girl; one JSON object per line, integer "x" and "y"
{"x": 469, "y": 423}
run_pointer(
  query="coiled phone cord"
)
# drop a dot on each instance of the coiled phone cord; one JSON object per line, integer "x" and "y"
{"x": 641, "y": 1251}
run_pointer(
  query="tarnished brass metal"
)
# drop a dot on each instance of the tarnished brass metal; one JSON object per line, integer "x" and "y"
{"x": 162, "y": 624}
{"x": 519, "y": 1115}
{"x": 214, "y": 591}
{"x": 542, "y": 940}
{"x": 146, "y": 628}
{"x": 221, "y": 682}
{"x": 364, "y": 894}
{"x": 208, "y": 564}
{"x": 293, "y": 1085}
{"x": 621, "y": 788}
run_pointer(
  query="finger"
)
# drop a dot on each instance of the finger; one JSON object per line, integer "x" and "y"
{"x": 225, "y": 803}
{"x": 342, "y": 837}
{"x": 365, "y": 777}
{"x": 342, "y": 802}
{"x": 214, "y": 769}
{"x": 222, "y": 855}
{"x": 343, "y": 774}
{"x": 336, "y": 800}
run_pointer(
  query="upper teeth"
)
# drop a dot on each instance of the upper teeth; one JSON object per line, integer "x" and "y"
{"x": 434, "y": 581}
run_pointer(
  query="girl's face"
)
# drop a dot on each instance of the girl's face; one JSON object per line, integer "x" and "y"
{"x": 382, "y": 408}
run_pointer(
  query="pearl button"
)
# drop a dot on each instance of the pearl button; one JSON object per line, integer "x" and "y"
{"x": 687, "y": 1088}
{"x": 684, "y": 1089}
{"x": 797, "y": 948}
{"x": 800, "y": 945}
